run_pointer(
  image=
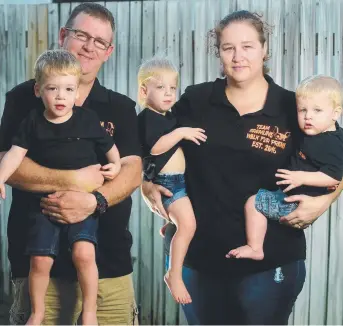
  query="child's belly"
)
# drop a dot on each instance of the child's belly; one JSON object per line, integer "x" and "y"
{"x": 176, "y": 163}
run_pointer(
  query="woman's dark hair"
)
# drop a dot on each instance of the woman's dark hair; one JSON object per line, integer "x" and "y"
{"x": 261, "y": 27}
{"x": 92, "y": 9}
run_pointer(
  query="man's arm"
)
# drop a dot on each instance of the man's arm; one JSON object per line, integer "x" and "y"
{"x": 33, "y": 177}
{"x": 124, "y": 184}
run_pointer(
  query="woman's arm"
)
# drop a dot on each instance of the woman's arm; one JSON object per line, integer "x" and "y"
{"x": 310, "y": 208}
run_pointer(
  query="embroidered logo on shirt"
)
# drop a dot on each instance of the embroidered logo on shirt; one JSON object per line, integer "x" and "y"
{"x": 108, "y": 126}
{"x": 268, "y": 139}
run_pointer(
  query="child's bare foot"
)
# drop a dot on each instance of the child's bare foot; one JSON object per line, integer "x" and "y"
{"x": 35, "y": 319}
{"x": 246, "y": 252}
{"x": 163, "y": 230}
{"x": 177, "y": 288}
{"x": 89, "y": 318}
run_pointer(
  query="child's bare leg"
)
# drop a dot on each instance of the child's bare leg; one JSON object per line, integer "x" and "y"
{"x": 87, "y": 273}
{"x": 182, "y": 215}
{"x": 39, "y": 277}
{"x": 256, "y": 227}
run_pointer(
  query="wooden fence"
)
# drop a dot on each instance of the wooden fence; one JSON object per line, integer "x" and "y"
{"x": 306, "y": 39}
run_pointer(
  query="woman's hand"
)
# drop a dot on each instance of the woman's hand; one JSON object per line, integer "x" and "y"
{"x": 308, "y": 211}
{"x": 152, "y": 194}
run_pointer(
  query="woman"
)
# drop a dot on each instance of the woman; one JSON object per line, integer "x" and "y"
{"x": 251, "y": 127}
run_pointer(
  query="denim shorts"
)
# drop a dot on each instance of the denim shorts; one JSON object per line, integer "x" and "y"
{"x": 272, "y": 205}
{"x": 44, "y": 234}
{"x": 174, "y": 183}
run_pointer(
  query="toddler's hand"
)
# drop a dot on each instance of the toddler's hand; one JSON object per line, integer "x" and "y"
{"x": 110, "y": 171}
{"x": 291, "y": 178}
{"x": 193, "y": 134}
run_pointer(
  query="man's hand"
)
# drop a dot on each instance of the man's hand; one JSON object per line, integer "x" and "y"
{"x": 152, "y": 196}
{"x": 69, "y": 207}
{"x": 88, "y": 178}
{"x": 308, "y": 211}
{"x": 110, "y": 171}
{"x": 293, "y": 179}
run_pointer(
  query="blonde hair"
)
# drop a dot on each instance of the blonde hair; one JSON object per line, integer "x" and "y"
{"x": 56, "y": 62}
{"x": 321, "y": 84}
{"x": 152, "y": 68}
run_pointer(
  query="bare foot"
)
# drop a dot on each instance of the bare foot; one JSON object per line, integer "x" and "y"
{"x": 35, "y": 319}
{"x": 177, "y": 288}
{"x": 246, "y": 252}
{"x": 163, "y": 230}
{"x": 89, "y": 318}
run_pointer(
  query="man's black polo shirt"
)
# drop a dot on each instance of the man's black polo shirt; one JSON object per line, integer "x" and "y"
{"x": 118, "y": 117}
{"x": 241, "y": 155}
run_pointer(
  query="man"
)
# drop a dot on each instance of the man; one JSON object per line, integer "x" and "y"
{"x": 88, "y": 35}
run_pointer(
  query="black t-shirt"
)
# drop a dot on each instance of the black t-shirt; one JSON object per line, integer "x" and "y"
{"x": 241, "y": 155}
{"x": 152, "y": 126}
{"x": 118, "y": 117}
{"x": 68, "y": 145}
{"x": 322, "y": 152}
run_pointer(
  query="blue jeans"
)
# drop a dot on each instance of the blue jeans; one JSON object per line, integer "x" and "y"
{"x": 265, "y": 298}
{"x": 44, "y": 234}
{"x": 272, "y": 204}
{"x": 173, "y": 182}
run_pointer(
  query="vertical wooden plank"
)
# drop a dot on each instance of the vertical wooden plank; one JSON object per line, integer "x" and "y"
{"x": 123, "y": 19}
{"x": 110, "y": 67}
{"x": 3, "y": 90}
{"x": 335, "y": 270}
{"x": 134, "y": 60}
{"x": 292, "y": 44}
{"x": 65, "y": 10}
{"x": 186, "y": 46}
{"x": 161, "y": 32}
{"x": 21, "y": 18}
{"x": 275, "y": 16}
{"x": 213, "y": 17}
{"x": 320, "y": 231}
{"x": 32, "y": 49}
{"x": 200, "y": 49}
{"x": 42, "y": 22}
{"x": 11, "y": 65}
{"x": 307, "y": 66}
{"x": 53, "y": 26}
{"x": 146, "y": 217}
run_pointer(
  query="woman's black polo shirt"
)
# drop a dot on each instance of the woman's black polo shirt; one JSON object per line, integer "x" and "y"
{"x": 241, "y": 155}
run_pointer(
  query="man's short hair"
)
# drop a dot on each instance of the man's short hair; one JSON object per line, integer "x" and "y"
{"x": 94, "y": 10}
{"x": 56, "y": 62}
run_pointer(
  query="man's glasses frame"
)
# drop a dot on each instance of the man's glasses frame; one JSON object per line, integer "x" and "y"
{"x": 85, "y": 37}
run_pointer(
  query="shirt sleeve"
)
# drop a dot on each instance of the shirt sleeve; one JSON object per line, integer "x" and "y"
{"x": 330, "y": 158}
{"x": 13, "y": 114}
{"x": 25, "y": 133}
{"x": 182, "y": 110}
{"x": 126, "y": 132}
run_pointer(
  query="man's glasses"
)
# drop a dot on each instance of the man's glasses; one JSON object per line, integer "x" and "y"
{"x": 85, "y": 37}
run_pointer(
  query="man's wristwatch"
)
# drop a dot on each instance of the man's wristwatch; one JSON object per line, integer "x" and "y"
{"x": 101, "y": 204}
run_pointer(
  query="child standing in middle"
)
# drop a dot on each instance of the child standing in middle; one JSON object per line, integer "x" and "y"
{"x": 164, "y": 161}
